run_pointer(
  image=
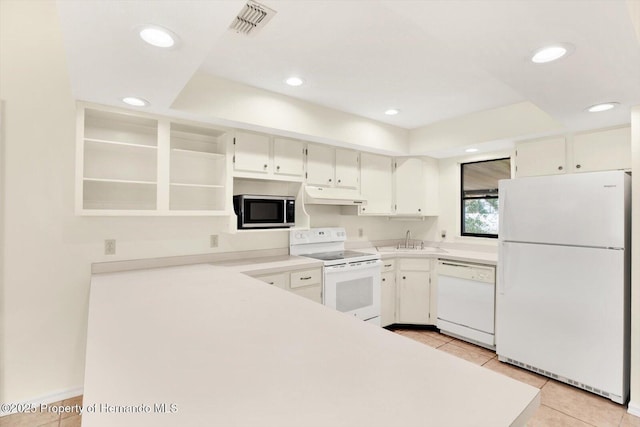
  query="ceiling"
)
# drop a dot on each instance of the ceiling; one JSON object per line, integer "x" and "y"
{"x": 433, "y": 60}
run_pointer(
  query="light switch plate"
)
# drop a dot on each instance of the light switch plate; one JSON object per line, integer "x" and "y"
{"x": 213, "y": 240}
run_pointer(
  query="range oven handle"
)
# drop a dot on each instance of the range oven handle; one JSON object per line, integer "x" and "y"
{"x": 355, "y": 266}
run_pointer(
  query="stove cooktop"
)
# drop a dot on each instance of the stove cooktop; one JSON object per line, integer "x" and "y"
{"x": 341, "y": 255}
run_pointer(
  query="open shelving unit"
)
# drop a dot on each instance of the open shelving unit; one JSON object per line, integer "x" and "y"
{"x": 134, "y": 164}
{"x": 120, "y": 158}
{"x": 198, "y": 169}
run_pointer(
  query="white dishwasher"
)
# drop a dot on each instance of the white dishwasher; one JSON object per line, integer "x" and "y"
{"x": 466, "y": 301}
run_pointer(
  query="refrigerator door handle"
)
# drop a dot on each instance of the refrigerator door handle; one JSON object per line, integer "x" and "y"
{"x": 500, "y": 285}
{"x": 503, "y": 215}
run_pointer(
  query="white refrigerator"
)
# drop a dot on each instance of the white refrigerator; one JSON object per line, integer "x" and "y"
{"x": 563, "y": 282}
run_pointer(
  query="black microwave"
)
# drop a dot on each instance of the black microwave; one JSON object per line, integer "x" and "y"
{"x": 264, "y": 211}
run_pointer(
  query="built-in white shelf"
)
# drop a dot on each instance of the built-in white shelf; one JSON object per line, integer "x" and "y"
{"x": 197, "y": 153}
{"x": 122, "y": 181}
{"x": 179, "y": 184}
{"x": 125, "y": 144}
{"x": 131, "y": 163}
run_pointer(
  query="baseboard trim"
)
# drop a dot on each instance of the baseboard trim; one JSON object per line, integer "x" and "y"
{"x": 634, "y": 409}
{"x": 47, "y": 399}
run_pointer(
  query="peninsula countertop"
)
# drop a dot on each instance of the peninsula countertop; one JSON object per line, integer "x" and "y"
{"x": 211, "y": 346}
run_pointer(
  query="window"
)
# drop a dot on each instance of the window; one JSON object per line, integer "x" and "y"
{"x": 479, "y": 193}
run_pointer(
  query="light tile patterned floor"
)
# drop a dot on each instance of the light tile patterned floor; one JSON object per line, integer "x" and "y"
{"x": 562, "y": 405}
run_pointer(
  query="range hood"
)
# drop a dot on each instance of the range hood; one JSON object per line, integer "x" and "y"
{"x": 332, "y": 196}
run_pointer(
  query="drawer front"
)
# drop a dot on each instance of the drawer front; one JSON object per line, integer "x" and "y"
{"x": 415, "y": 264}
{"x": 388, "y": 265}
{"x": 279, "y": 280}
{"x": 302, "y": 278}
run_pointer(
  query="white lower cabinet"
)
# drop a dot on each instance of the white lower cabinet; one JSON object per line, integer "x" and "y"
{"x": 414, "y": 291}
{"x": 388, "y": 294}
{"x": 306, "y": 283}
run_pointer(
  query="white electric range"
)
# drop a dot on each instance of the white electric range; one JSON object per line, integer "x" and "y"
{"x": 351, "y": 279}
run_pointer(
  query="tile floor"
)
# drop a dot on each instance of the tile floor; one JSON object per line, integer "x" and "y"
{"x": 46, "y": 419}
{"x": 561, "y": 405}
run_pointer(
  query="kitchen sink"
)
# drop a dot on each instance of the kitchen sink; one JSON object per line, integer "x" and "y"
{"x": 426, "y": 249}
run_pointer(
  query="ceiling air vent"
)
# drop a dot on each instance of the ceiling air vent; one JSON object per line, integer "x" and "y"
{"x": 251, "y": 18}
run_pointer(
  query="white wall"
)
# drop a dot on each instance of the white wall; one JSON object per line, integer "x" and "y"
{"x": 239, "y": 105}
{"x": 509, "y": 122}
{"x": 373, "y": 228}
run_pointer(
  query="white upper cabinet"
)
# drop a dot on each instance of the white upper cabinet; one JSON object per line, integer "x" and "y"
{"x": 410, "y": 186}
{"x": 320, "y": 165}
{"x": 604, "y": 150}
{"x": 264, "y": 157}
{"x": 328, "y": 166}
{"x": 347, "y": 162}
{"x": 601, "y": 150}
{"x": 251, "y": 153}
{"x": 376, "y": 185}
{"x": 288, "y": 157}
{"x": 543, "y": 157}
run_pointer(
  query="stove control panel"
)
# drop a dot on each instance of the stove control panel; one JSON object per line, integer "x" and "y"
{"x": 317, "y": 235}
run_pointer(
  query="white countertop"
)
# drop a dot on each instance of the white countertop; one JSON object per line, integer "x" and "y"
{"x": 229, "y": 350}
{"x": 466, "y": 255}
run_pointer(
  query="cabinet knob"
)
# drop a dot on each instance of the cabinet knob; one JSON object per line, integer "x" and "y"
{"x": 339, "y": 181}
{"x": 419, "y": 210}
{"x": 578, "y": 166}
{"x": 384, "y": 280}
{"x": 364, "y": 209}
{"x": 330, "y": 180}
{"x": 560, "y": 168}
{"x": 404, "y": 277}
{"x": 278, "y": 167}
{"x": 265, "y": 166}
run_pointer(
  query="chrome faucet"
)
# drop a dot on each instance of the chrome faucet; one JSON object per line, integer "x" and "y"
{"x": 407, "y": 238}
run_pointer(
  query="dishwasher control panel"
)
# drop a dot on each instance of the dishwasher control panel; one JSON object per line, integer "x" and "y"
{"x": 479, "y": 273}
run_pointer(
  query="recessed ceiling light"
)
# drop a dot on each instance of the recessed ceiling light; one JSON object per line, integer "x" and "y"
{"x": 549, "y": 53}
{"x": 157, "y": 36}
{"x": 391, "y": 112}
{"x": 471, "y": 150}
{"x": 135, "y": 102}
{"x": 602, "y": 107}
{"x": 294, "y": 81}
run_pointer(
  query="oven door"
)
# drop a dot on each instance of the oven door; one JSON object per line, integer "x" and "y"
{"x": 354, "y": 288}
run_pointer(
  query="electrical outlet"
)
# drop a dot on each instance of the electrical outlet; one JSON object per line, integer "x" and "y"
{"x": 443, "y": 233}
{"x": 360, "y": 232}
{"x": 213, "y": 240}
{"x": 110, "y": 247}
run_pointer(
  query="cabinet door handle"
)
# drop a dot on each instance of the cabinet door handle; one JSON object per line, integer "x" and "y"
{"x": 305, "y": 278}
{"x": 388, "y": 265}
{"x": 560, "y": 168}
{"x": 271, "y": 283}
